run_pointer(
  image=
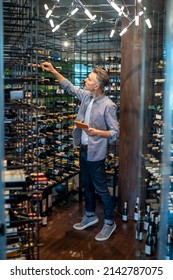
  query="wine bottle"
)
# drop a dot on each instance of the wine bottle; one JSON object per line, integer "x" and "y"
{"x": 124, "y": 214}
{"x": 49, "y": 201}
{"x": 43, "y": 202}
{"x": 110, "y": 156}
{"x": 169, "y": 248}
{"x": 136, "y": 209}
{"x": 153, "y": 226}
{"x": 149, "y": 243}
{"x": 147, "y": 218}
{"x": 139, "y": 227}
{"x": 157, "y": 222}
{"x": 44, "y": 217}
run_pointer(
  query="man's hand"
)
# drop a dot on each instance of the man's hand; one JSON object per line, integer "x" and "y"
{"x": 47, "y": 66}
{"x": 97, "y": 132}
{"x": 91, "y": 131}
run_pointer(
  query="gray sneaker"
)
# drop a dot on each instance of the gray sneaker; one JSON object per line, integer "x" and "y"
{"x": 86, "y": 222}
{"x": 106, "y": 232}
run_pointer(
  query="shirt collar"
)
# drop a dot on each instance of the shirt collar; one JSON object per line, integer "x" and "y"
{"x": 97, "y": 99}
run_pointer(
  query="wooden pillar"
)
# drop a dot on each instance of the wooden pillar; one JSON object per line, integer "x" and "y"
{"x": 130, "y": 101}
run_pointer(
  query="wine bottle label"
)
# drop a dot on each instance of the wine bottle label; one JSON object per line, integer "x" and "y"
{"x": 159, "y": 80}
{"x": 140, "y": 235}
{"x": 146, "y": 225}
{"x": 158, "y": 117}
{"x": 136, "y": 235}
{"x": 124, "y": 218}
{"x": 50, "y": 200}
{"x": 44, "y": 221}
{"x": 43, "y": 204}
{"x": 136, "y": 216}
{"x": 158, "y": 94}
{"x": 147, "y": 249}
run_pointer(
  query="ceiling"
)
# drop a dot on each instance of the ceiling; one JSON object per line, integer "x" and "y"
{"x": 96, "y": 31}
{"x": 105, "y": 14}
{"x": 101, "y": 8}
{"x": 95, "y": 37}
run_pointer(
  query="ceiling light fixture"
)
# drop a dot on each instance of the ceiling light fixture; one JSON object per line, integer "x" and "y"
{"x": 148, "y": 22}
{"x": 119, "y": 10}
{"x": 112, "y": 33}
{"x": 123, "y": 31}
{"x": 115, "y": 6}
{"x": 58, "y": 25}
{"x": 86, "y": 11}
{"x": 46, "y": 7}
{"x": 80, "y": 32}
{"x": 73, "y": 12}
{"x": 49, "y": 13}
{"x": 126, "y": 28}
{"x": 51, "y": 23}
{"x": 143, "y": 12}
{"x": 56, "y": 28}
{"x": 115, "y": 27}
{"x": 137, "y": 20}
{"x": 83, "y": 29}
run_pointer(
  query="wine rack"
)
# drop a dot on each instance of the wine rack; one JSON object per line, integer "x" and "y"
{"x": 41, "y": 164}
{"x": 22, "y": 198}
{"x": 159, "y": 194}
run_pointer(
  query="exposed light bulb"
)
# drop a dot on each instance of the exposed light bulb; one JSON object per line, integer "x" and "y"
{"x": 112, "y": 33}
{"x": 87, "y": 12}
{"x": 48, "y": 13}
{"x": 80, "y": 32}
{"x": 121, "y": 11}
{"x": 123, "y": 31}
{"x": 141, "y": 13}
{"x": 66, "y": 44}
{"x": 148, "y": 22}
{"x": 137, "y": 20}
{"x": 74, "y": 11}
{"x": 56, "y": 28}
{"x": 115, "y": 6}
{"x": 51, "y": 23}
{"x": 46, "y": 7}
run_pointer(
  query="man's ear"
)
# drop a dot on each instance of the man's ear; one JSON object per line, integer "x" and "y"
{"x": 96, "y": 86}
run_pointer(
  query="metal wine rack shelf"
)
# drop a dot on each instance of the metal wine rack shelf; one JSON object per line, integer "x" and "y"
{"x": 40, "y": 160}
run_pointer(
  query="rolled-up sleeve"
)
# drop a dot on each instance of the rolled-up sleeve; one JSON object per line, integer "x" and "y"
{"x": 112, "y": 123}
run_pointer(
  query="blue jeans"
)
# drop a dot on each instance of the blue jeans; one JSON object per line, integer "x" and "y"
{"x": 93, "y": 179}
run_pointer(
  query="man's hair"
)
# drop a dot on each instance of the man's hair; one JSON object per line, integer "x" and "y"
{"x": 102, "y": 76}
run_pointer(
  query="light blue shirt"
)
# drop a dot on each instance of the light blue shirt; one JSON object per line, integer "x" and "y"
{"x": 84, "y": 137}
{"x": 102, "y": 116}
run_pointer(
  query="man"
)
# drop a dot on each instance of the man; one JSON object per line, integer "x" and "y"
{"x": 99, "y": 113}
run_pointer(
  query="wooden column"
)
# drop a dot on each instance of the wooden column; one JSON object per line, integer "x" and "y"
{"x": 131, "y": 73}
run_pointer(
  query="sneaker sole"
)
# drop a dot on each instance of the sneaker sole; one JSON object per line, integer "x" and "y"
{"x": 86, "y": 226}
{"x": 106, "y": 238}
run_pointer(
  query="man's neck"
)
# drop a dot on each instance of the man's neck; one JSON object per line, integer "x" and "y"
{"x": 96, "y": 94}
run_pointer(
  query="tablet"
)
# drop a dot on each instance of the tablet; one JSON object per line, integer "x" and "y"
{"x": 81, "y": 125}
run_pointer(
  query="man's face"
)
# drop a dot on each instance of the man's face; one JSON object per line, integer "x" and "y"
{"x": 91, "y": 82}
